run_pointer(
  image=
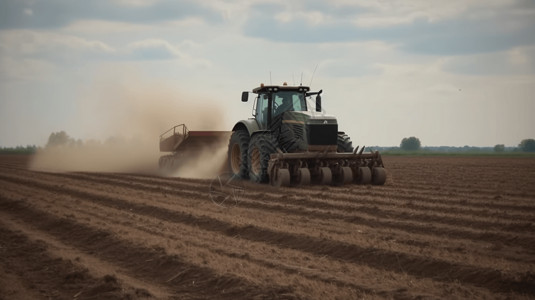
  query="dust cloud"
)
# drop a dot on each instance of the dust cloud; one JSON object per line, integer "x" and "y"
{"x": 121, "y": 116}
{"x": 207, "y": 163}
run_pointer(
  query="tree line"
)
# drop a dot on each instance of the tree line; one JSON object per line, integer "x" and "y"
{"x": 30, "y": 149}
{"x": 55, "y": 139}
{"x": 414, "y": 144}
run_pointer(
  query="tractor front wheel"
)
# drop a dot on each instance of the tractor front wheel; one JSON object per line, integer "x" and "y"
{"x": 262, "y": 145}
{"x": 237, "y": 153}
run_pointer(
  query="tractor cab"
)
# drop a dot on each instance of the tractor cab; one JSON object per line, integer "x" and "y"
{"x": 273, "y": 101}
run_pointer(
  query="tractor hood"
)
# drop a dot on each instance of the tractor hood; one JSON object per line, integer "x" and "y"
{"x": 307, "y": 117}
{"x": 307, "y": 131}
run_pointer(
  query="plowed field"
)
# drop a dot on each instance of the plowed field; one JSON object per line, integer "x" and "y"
{"x": 442, "y": 227}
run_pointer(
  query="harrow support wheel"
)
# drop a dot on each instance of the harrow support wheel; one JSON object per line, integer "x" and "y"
{"x": 364, "y": 175}
{"x": 346, "y": 175}
{"x": 326, "y": 175}
{"x": 303, "y": 176}
{"x": 282, "y": 179}
{"x": 378, "y": 176}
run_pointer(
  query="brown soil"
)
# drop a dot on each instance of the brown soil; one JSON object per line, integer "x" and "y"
{"x": 442, "y": 227}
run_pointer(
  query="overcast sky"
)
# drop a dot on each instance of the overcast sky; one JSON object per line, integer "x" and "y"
{"x": 448, "y": 72}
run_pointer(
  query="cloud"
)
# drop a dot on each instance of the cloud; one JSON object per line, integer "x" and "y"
{"x": 417, "y": 28}
{"x": 24, "y": 50}
{"x": 158, "y": 49}
{"x": 390, "y": 57}
{"x": 456, "y": 37}
{"x": 24, "y": 69}
{"x": 151, "y": 49}
{"x": 58, "y": 13}
{"x": 51, "y": 46}
{"x": 517, "y": 61}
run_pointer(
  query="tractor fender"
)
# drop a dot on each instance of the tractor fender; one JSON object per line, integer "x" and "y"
{"x": 250, "y": 125}
{"x": 259, "y": 131}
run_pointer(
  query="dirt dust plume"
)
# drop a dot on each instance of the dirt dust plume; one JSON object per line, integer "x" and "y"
{"x": 206, "y": 164}
{"x": 120, "y": 118}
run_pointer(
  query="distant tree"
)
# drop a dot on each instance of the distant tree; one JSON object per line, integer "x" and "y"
{"x": 59, "y": 139}
{"x": 410, "y": 144}
{"x": 30, "y": 149}
{"x": 527, "y": 145}
{"x": 499, "y": 148}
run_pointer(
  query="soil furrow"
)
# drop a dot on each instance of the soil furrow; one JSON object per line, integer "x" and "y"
{"x": 371, "y": 206}
{"x": 185, "y": 279}
{"x": 79, "y": 212}
{"x": 374, "y": 199}
{"x": 372, "y": 195}
{"x": 376, "y": 258}
{"x": 61, "y": 279}
{"x": 462, "y": 200}
{"x": 420, "y": 228}
{"x": 386, "y": 239}
{"x": 441, "y": 227}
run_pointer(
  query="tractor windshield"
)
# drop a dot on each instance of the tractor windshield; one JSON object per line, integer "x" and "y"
{"x": 288, "y": 101}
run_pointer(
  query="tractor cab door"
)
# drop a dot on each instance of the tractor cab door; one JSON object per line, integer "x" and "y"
{"x": 261, "y": 112}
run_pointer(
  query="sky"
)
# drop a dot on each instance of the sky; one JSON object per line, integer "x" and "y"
{"x": 452, "y": 73}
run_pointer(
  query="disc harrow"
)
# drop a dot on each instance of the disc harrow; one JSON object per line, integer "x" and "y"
{"x": 295, "y": 169}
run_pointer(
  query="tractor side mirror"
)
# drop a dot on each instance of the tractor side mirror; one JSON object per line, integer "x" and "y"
{"x": 244, "y": 96}
{"x": 318, "y": 103}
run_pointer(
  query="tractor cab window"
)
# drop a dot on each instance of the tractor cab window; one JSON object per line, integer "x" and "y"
{"x": 262, "y": 110}
{"x": 288, "y": 101}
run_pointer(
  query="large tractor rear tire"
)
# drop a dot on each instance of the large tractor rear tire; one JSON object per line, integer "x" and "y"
{"x": 344, "y": 143}
{"x": 262, "y": 145}
{"x": 237, "y": 154}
